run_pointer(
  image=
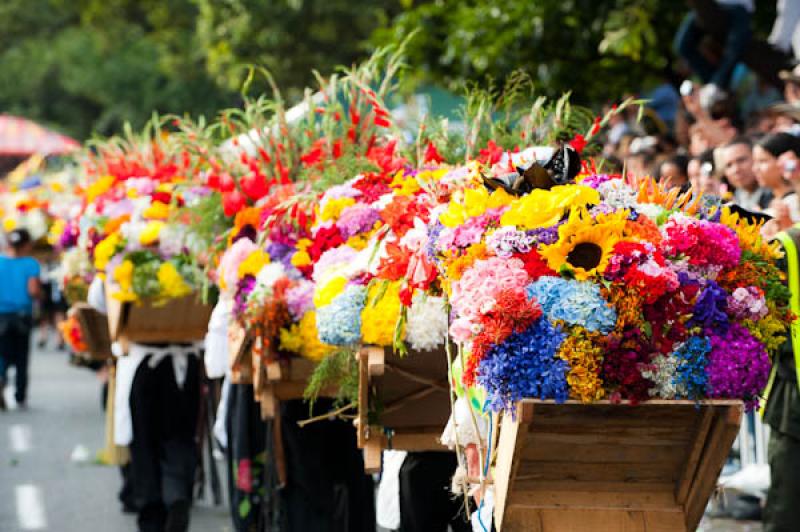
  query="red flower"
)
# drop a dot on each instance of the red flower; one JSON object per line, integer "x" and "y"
{"x": 432, "y": 154}
{"x": 232, "y": 202}
{"x": 535, "y": 265}
{"x": 578, "y": 142}
{"x": 255, "y": 186}
{"x": 395, "y": 265}
{"x": 491, "y": 154}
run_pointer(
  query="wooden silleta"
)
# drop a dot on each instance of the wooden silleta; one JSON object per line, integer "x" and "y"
{"x": 411, "y": 397}
{"x": 607, "y": 467}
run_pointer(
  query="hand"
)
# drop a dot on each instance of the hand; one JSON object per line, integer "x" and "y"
{"x": 782, "y": 217}
{"x": 790, "y": 164}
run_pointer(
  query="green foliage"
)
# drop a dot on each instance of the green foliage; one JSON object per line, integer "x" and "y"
{"x": 598, "y": 50}
{"x": 339, "y": 369}
{"x": 88, "y": 66}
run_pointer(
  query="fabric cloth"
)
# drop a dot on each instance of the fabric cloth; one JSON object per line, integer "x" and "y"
{"x": 216, "y": 355}
{"x": 15, "y": 339}
{"x": 326, "y": 488}
{"x": 97, "y": 295}
{"x": 387, "y": 507}
{"x": 785, "y": 31}
{"x": 15, "y": 272}
{"x": 127, "y": 367}
{"x": 247, "y": 456}
{"x": 782, "y": 513}
{"x": 756, "y": 201}
{"x": 471, "y": 427}
{"x": 164, "y": 451}
{"x": 426, "y": 503}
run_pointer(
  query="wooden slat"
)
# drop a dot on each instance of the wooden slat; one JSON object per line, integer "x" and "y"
{"x": 548, "y": 520}
{"x": 656, "y": 438}
{"x": 511, "y": 440}
{"x": 363, "y": 399}
{"x": 602, "y": 471}
{"x": 593, "y": 498}
{"x": 595, "y": 486}
{"x": 555, "y": 450}
{"x": 723, "y": 432}
{"x": 693, "y": 457}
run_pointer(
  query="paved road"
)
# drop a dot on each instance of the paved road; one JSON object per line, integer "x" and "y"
{"x": 41, "y": 488}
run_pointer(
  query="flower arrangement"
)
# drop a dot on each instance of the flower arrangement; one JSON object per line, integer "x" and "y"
{"x": 607, "y": 288}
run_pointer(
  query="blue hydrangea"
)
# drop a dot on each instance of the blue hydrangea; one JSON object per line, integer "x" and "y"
{"x": 574, "y": 302}
{"x": 525, "y": 365}
{"x": 339, "y": 323}
{"x": 690, "y": 375}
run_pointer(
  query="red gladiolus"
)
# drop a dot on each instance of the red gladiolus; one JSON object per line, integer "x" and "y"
{"x": 232, "y": 202}
{"x": 255, "y": 186}
{"x": 491, "y": 154}
{"x": 226, "y": 183}
{"x": 578, "y": 142}
{"x": 432, "y": 154}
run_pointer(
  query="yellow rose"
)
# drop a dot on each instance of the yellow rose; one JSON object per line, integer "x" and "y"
{"x": 333, "y": 208}
{"x": 253, "y": 264}
{"x": 324, "y": 294}
{"x": 156, "y": 211}
{"x": 105, "y": 249}
{"x": 171, "y": 281}
{"x": 150, "y": 233}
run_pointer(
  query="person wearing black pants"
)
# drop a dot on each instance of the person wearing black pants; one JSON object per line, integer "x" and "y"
{"x": 164, "y": 449}
{"x": 426, "y": 502}
{"x": 326, "y": 487}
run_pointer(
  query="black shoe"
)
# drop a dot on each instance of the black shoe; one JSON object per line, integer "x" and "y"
{"x": 178, "y": 517}
{"x": 3, "y": 406}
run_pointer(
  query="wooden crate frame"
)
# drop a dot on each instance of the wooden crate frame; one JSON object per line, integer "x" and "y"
{"x": 183, "y": 319}
{"x": 605, "y": 467}
{"x": 416, "y": 396}
{"x": 94, "y": 330}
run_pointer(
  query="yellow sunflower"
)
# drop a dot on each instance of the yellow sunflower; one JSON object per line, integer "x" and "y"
{"x": 585, "y": 244}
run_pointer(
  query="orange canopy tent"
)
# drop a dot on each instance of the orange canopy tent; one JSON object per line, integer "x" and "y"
{"x": 20, "y": 137}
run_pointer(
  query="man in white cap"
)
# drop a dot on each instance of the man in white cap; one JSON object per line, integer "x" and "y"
{"x": 791, "y": 87}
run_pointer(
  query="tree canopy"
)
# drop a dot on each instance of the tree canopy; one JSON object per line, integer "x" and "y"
{"x": 88, "y": 66}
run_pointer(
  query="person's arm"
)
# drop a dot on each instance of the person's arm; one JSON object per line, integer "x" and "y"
{"x": 34, "y": 284}
{"x": 34, "y": 287}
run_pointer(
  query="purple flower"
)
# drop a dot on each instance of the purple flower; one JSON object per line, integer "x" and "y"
{"x": 710, "y": 308}
{"x": 596, "y": 180}
{"x": 357, "y": 219}
{"x": 300, "y": 299}
{"x": 243, "y": 289}
{"x": 546, "y": 235}
{"x": 738, "y": 366}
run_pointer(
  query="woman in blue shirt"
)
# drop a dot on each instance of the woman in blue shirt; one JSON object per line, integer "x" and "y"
{"x": 19, "y": 286}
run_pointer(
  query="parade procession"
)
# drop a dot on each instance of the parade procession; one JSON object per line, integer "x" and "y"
{"x": 366, "y": 304}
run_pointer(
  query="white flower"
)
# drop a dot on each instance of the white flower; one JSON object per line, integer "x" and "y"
{"x": 426, "y": 327}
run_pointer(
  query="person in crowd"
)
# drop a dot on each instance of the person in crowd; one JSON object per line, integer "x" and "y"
{"x": 19, "y": 287}
{"x": 784, "y": 208}
{"x": 157, "y": 405}
{"x": 690, "y": 35}
{"x": 675, "y": 171}
{"x": 737, "y": 163}
{"x": 791, "y": 80}
{"x": 781, "y": 411}
{"x": 785, "y": 35}
{"x": 699, "y": 166}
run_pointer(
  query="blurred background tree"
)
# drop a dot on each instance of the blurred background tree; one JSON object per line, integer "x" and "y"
{"x": 87, "y": 66}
